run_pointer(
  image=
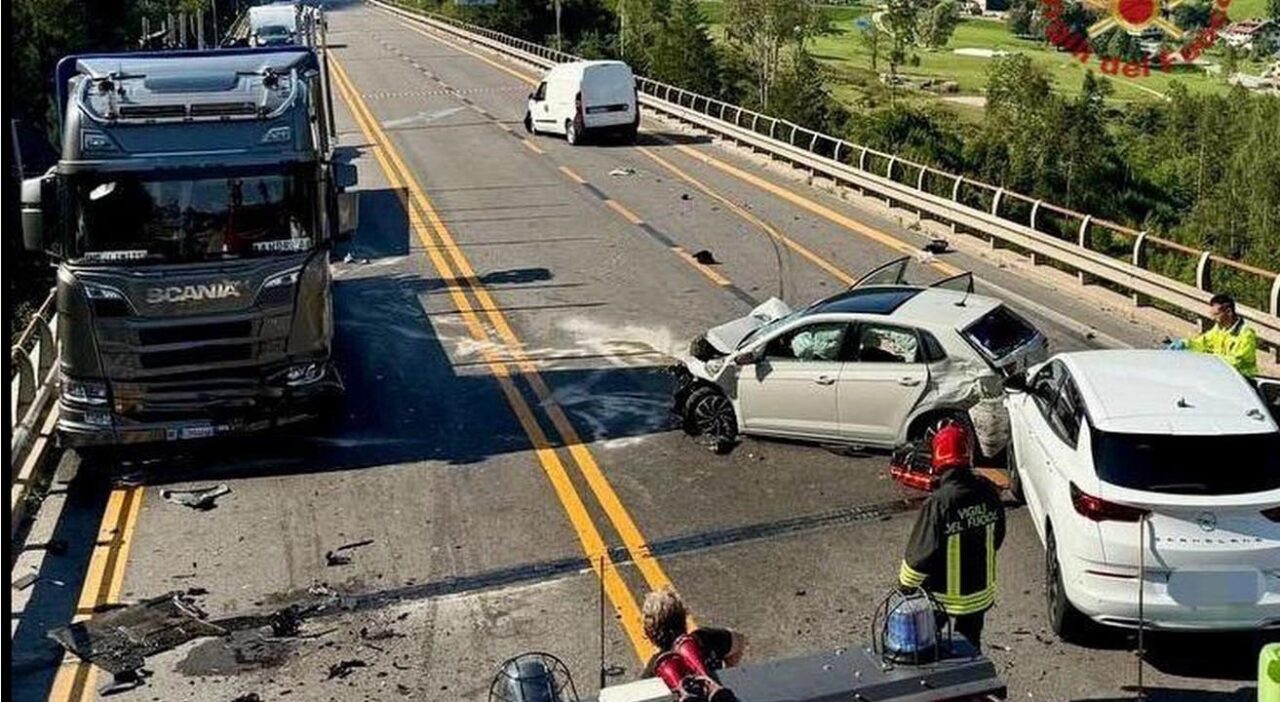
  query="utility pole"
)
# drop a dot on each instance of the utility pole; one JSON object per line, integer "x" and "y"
{"x": 559, "y": 38}
{"x": 217, "y": 38}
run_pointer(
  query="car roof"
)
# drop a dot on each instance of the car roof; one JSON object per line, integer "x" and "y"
{"x": 1165, "y": 392}
{"x": 910, "y": 303}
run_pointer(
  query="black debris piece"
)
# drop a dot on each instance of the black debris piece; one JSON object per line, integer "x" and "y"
{"x": 203, "y": 499}
{"x": 25, "y": 581}
{"x": 120, "y": 640}
{"x": 333, "y": 558}
{"x": 705, "y": 257}
{"x": 248, "y": 697}
{"x": 123, "y": 682}
{"x": 342, "y": 669}
{"x": 354, "y": 545}
{"x": 937, "y": 245}
{"x": 286, "y": 622}
{"x": 685, "y": 196}
{"x": 404, "y": 689}
{"x": 378, "y": 633}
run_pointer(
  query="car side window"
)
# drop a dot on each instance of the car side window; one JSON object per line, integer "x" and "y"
{"x": 541, "y": 93}
{"x": 882, "y": 343}
{"x": 813, "y": 342}
{"x": 1067, "y": 412}
{"x": 933, "y": 351}
{"x": 1044, "y": 387}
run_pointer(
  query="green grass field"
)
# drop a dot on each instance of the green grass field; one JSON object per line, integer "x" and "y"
{"x": 845, "y": 52}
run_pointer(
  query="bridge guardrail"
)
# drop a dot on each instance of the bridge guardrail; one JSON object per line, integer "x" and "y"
{"x": 32, "y": 396}
{"x": 946, "y": 197}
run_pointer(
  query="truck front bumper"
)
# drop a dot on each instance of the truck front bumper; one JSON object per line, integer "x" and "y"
{"x": 273, "y": 407}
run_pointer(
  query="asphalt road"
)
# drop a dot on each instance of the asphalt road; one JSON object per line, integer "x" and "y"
{"x": 503, "y": 322}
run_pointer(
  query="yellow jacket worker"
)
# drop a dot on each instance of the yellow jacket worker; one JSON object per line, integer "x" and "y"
{"x": 1230, "y": 338}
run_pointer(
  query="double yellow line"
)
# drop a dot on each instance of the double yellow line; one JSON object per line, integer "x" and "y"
{"x": 102, "y": 585}
{"x": 453, "y": 267}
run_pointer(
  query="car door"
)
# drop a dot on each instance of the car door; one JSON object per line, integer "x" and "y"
{"x": 1034, "y": 409}
{"x": 1058, "y": 439}
{"x": 884, "y": 376}
{"x": 540, "y": 107}
{"x": 791, "y": 389}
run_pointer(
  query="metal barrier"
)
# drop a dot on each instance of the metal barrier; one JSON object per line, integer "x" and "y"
{"x": 946, "y": 197}
{"x": 34, "y": 357}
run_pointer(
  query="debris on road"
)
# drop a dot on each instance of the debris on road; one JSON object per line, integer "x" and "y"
{"x": 937, "y": 245}
{"x": 705, "y": 257}
{"x": 685, "y": 196}
{"x": 120, "y": 640}
{"x": 342, "y": 669}
{"x": 25, "y": 581}
{"x": 336, "y": 557}
{"x": 248, "y": 697}
{"x": 202, "y": 499}
{"x": 627, "y": 171}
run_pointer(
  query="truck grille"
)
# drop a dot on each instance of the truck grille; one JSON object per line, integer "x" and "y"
{"x": 152, "y": 336}
{"x": 152, "y": 360}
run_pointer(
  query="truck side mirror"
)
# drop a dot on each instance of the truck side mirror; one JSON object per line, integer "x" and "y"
{"x": 39, "y": 210}
{"x": 345, "y": 175}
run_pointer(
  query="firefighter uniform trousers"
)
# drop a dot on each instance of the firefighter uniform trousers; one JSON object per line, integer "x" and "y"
{"x": 952, "y": 550}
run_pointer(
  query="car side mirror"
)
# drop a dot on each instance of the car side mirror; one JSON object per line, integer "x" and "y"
{"x": 39, "y": 210}
{"x": 1016, "y": 382}
{"x": 746, "y": 358}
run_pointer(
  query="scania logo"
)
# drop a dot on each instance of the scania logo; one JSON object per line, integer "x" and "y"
{"x": 191, "y": 293}
{"x": 1207, "y": 521}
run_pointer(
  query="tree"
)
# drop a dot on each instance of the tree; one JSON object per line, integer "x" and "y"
{"x": 1273, "y": 9}
{"x": 871, "y": 38}
{"x": 760, "y": 30}
{"x": 683, "y": 53}
{"x": 800, "y": 95}
{"x": 1192, "y": 15}
{"x": 901, "y": 20}
{"x": 937, "y": 24}
{"x": 1019, "y": 17}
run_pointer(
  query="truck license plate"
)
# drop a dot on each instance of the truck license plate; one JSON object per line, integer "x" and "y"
{"x": 199, "y": 431}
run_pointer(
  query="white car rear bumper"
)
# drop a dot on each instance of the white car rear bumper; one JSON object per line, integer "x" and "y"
{"x": 1112, "y": 600}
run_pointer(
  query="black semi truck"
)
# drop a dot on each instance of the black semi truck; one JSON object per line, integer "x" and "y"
{"x": 191, "y": 215}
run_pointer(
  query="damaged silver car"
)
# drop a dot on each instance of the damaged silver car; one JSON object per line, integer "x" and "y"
{"x": 881, "y": 364}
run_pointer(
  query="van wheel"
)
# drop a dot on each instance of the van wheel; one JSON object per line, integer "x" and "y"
{"x": 572, "y": 131}
{"x": 708, "y": 413}
{"x": 1064, "y": 619}
{"x": 528, "y": 123}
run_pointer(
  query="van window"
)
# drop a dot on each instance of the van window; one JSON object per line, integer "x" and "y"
{"x": 1000, "y": 332}
{"x": 1232, "y": 464}
{"x": 541, "y": 93}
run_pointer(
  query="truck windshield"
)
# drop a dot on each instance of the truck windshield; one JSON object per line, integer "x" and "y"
{"x": 1220, "y": 464}
{"x": 127, "y": 217}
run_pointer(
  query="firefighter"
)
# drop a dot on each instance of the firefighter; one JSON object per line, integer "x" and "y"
{"x": 1230, "y": 338}
{"x": 952, "y": 550}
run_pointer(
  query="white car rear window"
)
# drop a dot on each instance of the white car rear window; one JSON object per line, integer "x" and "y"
{"x": 1230, "y": 464}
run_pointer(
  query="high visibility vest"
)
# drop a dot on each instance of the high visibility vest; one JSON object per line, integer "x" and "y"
{"x": 952, "y": 549}
{"x": 1237, "y": 345}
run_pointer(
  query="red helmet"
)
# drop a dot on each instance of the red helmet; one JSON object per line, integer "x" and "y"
{"x": 952, "y": 448}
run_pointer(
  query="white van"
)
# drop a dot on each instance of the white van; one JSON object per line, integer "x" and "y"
{"x": 585, "y": 98}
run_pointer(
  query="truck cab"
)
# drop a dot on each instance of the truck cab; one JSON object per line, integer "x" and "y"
{"x": 191, "y": 215}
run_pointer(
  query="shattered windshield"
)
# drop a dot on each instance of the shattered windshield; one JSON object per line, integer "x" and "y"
{"x": 142, "y": 218}
{"x": 769, "y": 326}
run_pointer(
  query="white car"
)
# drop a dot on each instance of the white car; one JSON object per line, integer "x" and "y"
{"x": 1173, "y": 450}
{"x": 877, "y": 365}
{"x": 583, "y": 99}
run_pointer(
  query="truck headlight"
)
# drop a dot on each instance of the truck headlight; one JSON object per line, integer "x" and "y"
{"x": 84, "y": 391}
{"x": 303, "y": 374}
{"x": 281, "y": 280}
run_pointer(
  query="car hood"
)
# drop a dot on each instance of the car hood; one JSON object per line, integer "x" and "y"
{"x": 726, "y": 337}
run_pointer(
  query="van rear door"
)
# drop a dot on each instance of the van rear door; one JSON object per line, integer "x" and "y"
{"x": 608, "y": 95}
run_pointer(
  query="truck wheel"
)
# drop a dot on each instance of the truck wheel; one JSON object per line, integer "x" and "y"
{"x": 572, "y": 132}
{"x": 708, "y": 413}
{"x": 1064, "y": 619}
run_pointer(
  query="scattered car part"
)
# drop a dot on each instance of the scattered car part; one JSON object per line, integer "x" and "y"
{"x": 202, "y": 499}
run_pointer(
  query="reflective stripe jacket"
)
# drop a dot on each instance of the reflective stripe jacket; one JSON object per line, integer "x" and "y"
{"x": 1237, "y": 345}
{"x": 952, "y": 551}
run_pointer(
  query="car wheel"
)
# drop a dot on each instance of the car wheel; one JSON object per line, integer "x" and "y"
{"x": 1015, "y": 480}
{"x": 1064, "y": 619}
{"x": 572, "y": 132}
{"x": 528, "y": 123}
{"x": 709, "y": 414}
